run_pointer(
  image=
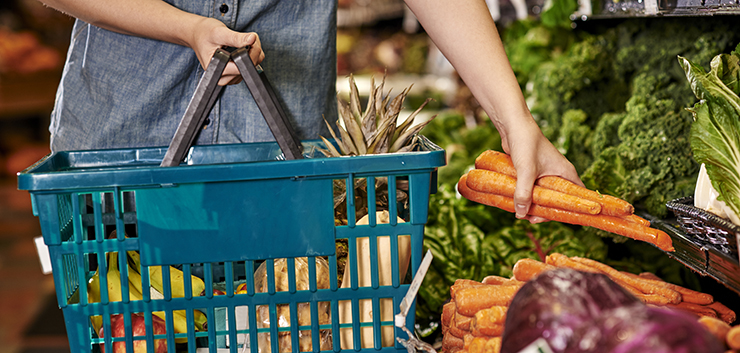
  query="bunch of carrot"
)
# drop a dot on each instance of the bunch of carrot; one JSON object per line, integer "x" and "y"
{"x": 493, "y": 181}
{"x": 473, "y": 320}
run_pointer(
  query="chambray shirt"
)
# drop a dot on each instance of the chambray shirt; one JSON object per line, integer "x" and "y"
{"x": 120, "y": 91}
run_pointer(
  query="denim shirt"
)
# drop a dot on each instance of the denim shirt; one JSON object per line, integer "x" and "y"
{"x": 120, "y": 91}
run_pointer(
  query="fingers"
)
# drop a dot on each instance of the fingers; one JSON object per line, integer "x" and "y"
{"x": 231, "y": 74}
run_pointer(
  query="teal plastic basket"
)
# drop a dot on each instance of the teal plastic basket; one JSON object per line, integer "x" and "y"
{"x": 218, "y": 216}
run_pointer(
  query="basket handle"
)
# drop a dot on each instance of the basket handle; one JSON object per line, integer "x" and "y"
{"x": 205, "y": 96}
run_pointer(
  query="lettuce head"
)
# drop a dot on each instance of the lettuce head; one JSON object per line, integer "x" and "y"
{"x": 715, "y": 132}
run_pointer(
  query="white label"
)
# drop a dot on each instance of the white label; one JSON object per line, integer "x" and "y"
{"x": 44, "y": 256}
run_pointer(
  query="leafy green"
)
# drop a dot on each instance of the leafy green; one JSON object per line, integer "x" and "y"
{"x": 614, "y": 102}
{"x": 715, "y": 134}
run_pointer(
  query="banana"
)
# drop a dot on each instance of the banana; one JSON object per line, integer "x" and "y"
{"x": 179, "y": 319}
{"x": 93, "y": 293}
{"x": 177, "y": 282}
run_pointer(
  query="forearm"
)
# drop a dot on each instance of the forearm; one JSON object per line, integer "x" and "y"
{"x": 466, "y": 34}
{"x": 153, "y": 19}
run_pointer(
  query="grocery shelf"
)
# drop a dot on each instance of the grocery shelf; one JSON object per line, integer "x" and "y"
{"x": 606, "y": 9}
{"x": 703, "y": 258}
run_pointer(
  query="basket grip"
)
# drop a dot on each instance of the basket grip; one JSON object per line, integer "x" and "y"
{"x": 200, "y": 104}
{"x": 205, "y": 96}
{"x": 268, "y": 104}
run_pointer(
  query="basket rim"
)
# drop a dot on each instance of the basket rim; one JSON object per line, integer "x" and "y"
{"x": 684, "y": 206}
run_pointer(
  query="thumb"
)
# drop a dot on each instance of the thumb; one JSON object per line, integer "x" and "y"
{"x": 523, "y": 192}
{"x": 241, "y": 40}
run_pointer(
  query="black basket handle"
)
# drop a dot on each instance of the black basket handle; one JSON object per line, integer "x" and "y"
{"x": 205, "y": 96}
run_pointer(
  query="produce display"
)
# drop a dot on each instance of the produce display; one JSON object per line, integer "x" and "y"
{"x": 577, "y": 305}
{"x": 494, "y": 179}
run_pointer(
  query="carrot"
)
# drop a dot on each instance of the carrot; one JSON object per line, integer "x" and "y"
{"x": 726, "y": 314}
{"x": 449, "y": 341}
{"x": 498, "y": 280}
{"x": 448, "y": 314}
{"x": 645, "y": 286}
{"x": 733, "y": 337}
{"x": 489, "y": 322}
{"x": 560, "y": 260}
{"x": 716, "y": 327}
{"x": 463, "y": 283}
{"x": 696, "y": 309}
{"x": 501, "y": 162}
{"x": 485, "y": 345}
{"x": 471, "y": 300}
{"x": 496, "y": 183}
{"x": 526, "y": 269}
{"x": 637, "y": 219}
{"x": 462, "y": 322}
{"x": 456, "y": 331}
{"x": 495, "y": 161}
{"x": 607, "y": 223}
{"x": 687, "y": 295}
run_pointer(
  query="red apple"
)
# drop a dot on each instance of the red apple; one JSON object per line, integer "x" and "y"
{"x": 139, "y": 329}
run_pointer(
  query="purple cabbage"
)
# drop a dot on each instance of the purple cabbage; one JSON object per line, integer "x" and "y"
{"x": 579, "y": 312}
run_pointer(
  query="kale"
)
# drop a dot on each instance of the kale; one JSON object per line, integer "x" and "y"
{"x": 614, "y": 105}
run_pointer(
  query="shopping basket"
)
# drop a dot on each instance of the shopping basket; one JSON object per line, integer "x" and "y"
{"x": 224, "y": 214}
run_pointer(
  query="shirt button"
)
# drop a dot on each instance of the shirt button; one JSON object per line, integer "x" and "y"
{"x": 224, "y": 8}
{"x": 206, "y": 123}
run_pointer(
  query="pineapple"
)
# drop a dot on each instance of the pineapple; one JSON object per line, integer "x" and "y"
{"x": 377, "y": 130}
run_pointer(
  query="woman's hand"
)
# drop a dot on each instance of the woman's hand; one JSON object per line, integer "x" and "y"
{"x": 534, "y": 157}
{"x": 213, "y": 34}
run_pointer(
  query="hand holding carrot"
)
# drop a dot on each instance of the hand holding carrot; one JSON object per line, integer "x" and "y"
{"x": 557, "y": 199}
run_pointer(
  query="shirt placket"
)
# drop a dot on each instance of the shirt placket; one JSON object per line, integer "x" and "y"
{"x": 224, "y": 11}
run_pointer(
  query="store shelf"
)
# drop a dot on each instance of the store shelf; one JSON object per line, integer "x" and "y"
{"x": 606, "y": 9}
{"x": 703, "y": 258}
{"x": 28, "y": 94}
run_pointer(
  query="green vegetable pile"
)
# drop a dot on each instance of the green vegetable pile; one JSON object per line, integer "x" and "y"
{"x": 614, "y": 102}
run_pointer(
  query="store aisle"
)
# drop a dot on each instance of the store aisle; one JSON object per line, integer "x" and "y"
{"x": 30, "y": 320}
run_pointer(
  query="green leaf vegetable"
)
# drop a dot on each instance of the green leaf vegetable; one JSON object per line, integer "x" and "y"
{"x": 715, "y": 133}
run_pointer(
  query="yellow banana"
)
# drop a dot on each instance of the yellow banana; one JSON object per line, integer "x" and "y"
{"x": 93, "y": 295}
{"x": 114, "y": 278}
{"x": 179, "y": 319}
{"x": 177, "y": 283}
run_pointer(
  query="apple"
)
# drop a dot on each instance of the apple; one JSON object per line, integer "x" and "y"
{"x": 139, "y": 329}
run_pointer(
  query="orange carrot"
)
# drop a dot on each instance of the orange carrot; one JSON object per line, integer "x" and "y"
{"x": 526, "y": 269}
{"x": 643, "y": 285}
{"x": 733, "y": 337}
{"x": 696, "y": 309}
{"x": 687, "y": 295}
{"x": 726, "y": 314}
{"x": 449, "y": 341}
{"x": 462, "y": 322}
{"x": 494, "y": 280}
{"x": 495, "y": 161}
{"x": 716, "y": 327}
{"x": 485, "y": 345}
{"x": 496, "y": 183}
{"x": 471, "y": 300}
{"x": 463, "y": 283}
{"x": 637, "y": 219}
{"x": 489, "y": 322}
{"x": 448, "y": 314}
{"x": 501, "y": 162}
{"x": 608, "y": 223}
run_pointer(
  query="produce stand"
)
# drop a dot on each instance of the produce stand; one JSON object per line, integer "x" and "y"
{"x": 705, "y": 259}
